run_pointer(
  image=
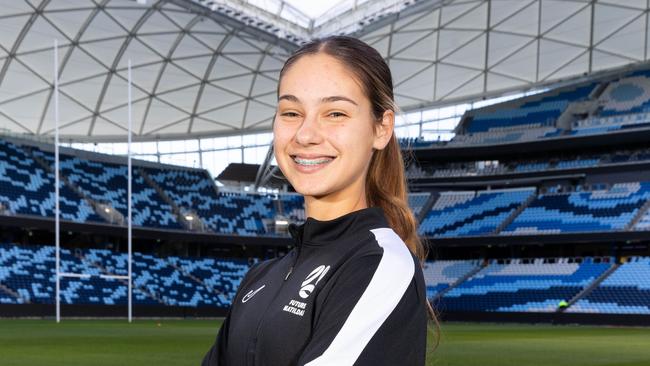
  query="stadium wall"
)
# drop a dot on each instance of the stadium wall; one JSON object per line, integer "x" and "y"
{"x": 548, "y": 318}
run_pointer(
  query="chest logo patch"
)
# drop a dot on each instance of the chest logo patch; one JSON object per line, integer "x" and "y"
{"x": 316, "y": 275}
{"x": 251, "y": 293}
{"x": 306, "y": 288}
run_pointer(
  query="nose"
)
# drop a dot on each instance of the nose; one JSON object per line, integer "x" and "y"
{"x": 309, "y": 131}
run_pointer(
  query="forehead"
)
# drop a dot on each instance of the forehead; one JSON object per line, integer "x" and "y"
{"x": 320, "y": 75}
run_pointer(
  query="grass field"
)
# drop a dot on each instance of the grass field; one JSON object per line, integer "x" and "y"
{"x": 184, "y": 342}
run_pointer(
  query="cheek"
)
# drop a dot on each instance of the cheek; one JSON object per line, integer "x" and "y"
{"x": 355, "y": 143}
{"x": 281, "y": 136}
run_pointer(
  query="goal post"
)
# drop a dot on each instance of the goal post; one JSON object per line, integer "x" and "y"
{"x": 57, "y": 214}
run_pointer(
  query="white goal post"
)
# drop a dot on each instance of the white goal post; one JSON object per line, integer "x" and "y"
{"x": 57, "y": 214}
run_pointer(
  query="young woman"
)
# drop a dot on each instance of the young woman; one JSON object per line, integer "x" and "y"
{"x": 352, "y": 291}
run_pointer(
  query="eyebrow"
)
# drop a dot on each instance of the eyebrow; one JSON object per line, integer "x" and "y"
{"x": 333, "y": 98}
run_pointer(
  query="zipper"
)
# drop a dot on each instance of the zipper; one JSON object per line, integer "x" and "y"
{"x": 294, "y": 263}
{"x": 298, "y": 239}
{"x": 259, "y": 325}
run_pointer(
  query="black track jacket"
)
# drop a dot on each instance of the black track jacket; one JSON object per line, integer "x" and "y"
{"x": 349, "y": 293}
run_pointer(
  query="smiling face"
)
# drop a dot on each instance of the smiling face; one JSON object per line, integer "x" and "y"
{"x": 324, "y": 130}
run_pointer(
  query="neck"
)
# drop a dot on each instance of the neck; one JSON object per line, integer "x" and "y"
{"x": 328, "y": 208}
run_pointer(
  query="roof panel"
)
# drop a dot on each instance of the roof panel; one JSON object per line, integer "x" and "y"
{"x": 257, "y": 112}
{"x": 10, "y": 29}
{"x": 157, "y": 22}
{"x": 189, "y": 47}
{"x": 554, "y": 56}
{"x": 146, "y": 76}
{"x": 70, "y": 22}
{"x": 139, "y": 54}
{"x": 160, "y": 115}
{"x": 423, "y": 49}
{"x": 19, "y": 81}
{"x": 224, "y": 68}
{"x": 625, "y": 42}
{"x": 128, "y": 18}
{"x": 521, "y": 64}
{"x": 102, "y": 26}
{"x": 183, "y": 98}
{"x": 522, "y": 21}
{"x": 426, "y": 21}
{"x": 104, "y": 51}
{"x": 14, "y": 8}
{"x": 215, "y": 98}
{"x": 41, "y": 35}
{"x": 420, "y": 87}
{"x": 173, "y": 77}
{"x": 575, "y": 29}
{"x": 230, "y": 115}
{"x": 160, "y": 43}
{"x": 210, "y": 40}
{"x": 42, "y": 63}
{"x": 23, "y": 109}
{"x": 87, "y": 92}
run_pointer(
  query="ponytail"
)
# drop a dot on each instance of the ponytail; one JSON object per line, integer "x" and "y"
{"x": 389, "y": 191}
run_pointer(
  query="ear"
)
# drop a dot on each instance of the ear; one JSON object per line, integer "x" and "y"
{"x": 384, "y": 131}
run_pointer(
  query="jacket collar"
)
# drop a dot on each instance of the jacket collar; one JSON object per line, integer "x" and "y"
{"x": 348, "y": 225}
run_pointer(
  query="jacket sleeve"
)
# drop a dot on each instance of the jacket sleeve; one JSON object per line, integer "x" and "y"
{"x": 373, "y": 314}
{"x": 216, "y": 355}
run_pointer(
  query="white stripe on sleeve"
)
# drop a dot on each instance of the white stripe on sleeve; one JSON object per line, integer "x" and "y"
{"x": 386, "y": 288}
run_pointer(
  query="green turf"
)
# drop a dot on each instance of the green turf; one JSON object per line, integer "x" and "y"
{"x": 184, "y": 342}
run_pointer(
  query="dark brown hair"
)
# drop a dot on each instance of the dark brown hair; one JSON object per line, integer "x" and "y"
{"x": 388, "y": 191}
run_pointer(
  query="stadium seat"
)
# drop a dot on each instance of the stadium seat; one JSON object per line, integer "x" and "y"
{"x": 467, "y": 213}
{"x": 602, "y": 210}
{"x": 625, "y": 291}
{"x": 517, "y": 286}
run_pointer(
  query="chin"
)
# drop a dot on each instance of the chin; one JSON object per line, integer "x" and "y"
{"x": 309, "y": 191}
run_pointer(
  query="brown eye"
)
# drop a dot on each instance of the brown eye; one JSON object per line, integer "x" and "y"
{"x": 290, "y": 114}
{"x": 337, "y": 114}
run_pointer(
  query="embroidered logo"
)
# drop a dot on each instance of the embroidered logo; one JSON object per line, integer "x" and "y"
{"x": 307, "y": 286}
{"x": 251, "y": 293}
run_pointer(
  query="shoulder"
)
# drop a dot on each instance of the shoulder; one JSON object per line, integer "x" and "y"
{"x": 398, "y": 264}
{"x": 393, "y": 250}
{"x": 385, "y": 258}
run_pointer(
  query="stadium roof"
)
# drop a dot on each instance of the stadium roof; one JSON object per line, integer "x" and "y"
{"x": 208, "y": 68}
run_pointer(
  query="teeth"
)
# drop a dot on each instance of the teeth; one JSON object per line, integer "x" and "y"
{"x": 311, "y": 161}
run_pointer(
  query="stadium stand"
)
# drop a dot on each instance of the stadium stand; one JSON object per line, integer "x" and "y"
{"x": 293, "y": 207}
{"x": 644, "y": 222}
{"x": 223, "y": 212}
{"x": 548, "y": 164}
{"x": 441, "y": 274}
{"x": 107, "y": 184}
{"x": 517, "y": 286}
{"x": 536, "y": 112}
{"x": 417, "y": 201}
{"x": 492, "y": 137}
{"x": 469, "y": 213}
{"x": 28, "y": 189}
{"x": 601, "y": 210}
{"x": 625, "y": 291}
{"x": 28, "y": 271}
{"x": 627, "y": 95}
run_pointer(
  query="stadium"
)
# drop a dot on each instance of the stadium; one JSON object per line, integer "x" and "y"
{"x": 138, "y": 183}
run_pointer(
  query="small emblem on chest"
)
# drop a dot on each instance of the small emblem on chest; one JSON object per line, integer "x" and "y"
{"x": 306, "y": 288}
